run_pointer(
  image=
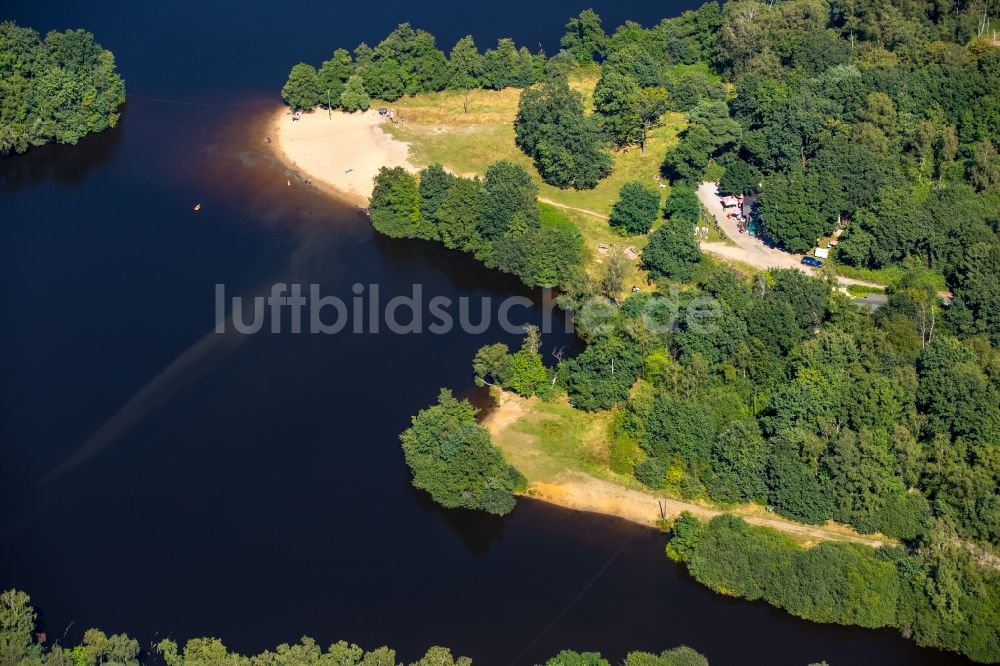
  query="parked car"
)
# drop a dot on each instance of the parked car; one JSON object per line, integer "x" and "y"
{"x": 811, "y": 261}
{"x": 382, "y": 111}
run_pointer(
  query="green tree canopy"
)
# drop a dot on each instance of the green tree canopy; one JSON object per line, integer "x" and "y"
{"x": 435, "y": 183}
{"x": 509, "y": 198}
{"x": 687, "y": 160}
{"x": 678, "y": 429}
{"x": 566, "y": 145}
{"x": 571, "y": 658}
{"x": 798, "y": 209}
{"x": 301, "y": 91}
{"x": 458, "y": 215}
{"x": 636, "y": 208}
{"x": 332, "y": 77}
{"x": 678, "y": 656}
{"x": 602, "y": 375}
{"x": 628, "y": 110}
{"x": 384, "y": 79}
{"x": 354, "y": 97}
{"x": 794, "y": 489}
{"x": 740, "y": 176}
{"x": 503, "y": 67}
{"x": 395, "y": 203}
{"x": 739, "y": 464}
{"x": 452, "y": 458}
{"x": 683, "y": 204}
{"x": 465, "y": 65}
{"x": 585, "y": 38}
{"x": 672, "y": 251}
{"x": 54, "y": 90}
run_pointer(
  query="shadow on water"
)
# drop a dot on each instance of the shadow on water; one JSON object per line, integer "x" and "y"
{"x": 462, "y": 269}
{"x": 477, "y": 530}
{"x": 64, "y": 164}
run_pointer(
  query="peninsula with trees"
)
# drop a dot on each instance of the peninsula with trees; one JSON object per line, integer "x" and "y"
{"x": 837, "y": 460}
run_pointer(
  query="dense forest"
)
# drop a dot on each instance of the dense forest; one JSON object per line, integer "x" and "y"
{"x": 408, "y": 62}
{"x": 877, "y": 119}
{"x": 880, "y": 121}
{"x": 498, "y": 219}
{"x": 58, "y": 89}
{"x": 781, "y": 392}
{"x": 938, "y": 595}
{"x": 21, "y": 645}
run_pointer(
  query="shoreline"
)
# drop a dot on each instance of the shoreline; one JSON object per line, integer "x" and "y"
{"x": 338, "y": 153}
{"x": 304, "y": 161}
{"x": 319, "y": 148}
{"x": 579, "y": 491}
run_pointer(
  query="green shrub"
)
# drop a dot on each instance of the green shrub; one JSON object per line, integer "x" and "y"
{"x": 623, "y": 454}
{"x": 651, "y": 472}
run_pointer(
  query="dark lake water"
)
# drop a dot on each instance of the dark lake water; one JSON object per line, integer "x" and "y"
{"x": 161, "y": 480}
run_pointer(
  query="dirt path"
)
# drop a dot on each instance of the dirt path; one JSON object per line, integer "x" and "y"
{"x": 587, "y": 493}
{"x": 750, "y": 250}
{"x": 507, "y": 410}
{"x": 577, "y": 490}
{"x": 579, "y": 210}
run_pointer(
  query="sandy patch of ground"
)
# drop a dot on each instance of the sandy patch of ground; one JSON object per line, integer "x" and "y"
{"x": 509, "y": 408}
{"x": 575, "y": 489}
{"x": 587, "y": 493}
{"x": 340, "y": 152}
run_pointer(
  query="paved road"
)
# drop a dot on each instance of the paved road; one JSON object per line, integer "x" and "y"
{"x": 750, "y": 250}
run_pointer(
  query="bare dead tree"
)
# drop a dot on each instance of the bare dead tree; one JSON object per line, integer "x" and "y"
{"x": 926, "y": 316}
{"x": 558, "y": 355}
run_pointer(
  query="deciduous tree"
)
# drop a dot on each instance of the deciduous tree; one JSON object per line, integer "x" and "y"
{"x": 451, "y": 457}
{"x": 672, "y": 251}
{"x": 301, "y": 91}
{"x": 354, "y": 96}
{"x": 636, "y": 208}
{"x": 395, "y": 203}
{"x": 585, "y": 38}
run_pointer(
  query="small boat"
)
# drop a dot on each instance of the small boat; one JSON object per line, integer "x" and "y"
{"x": 197, "y": 207}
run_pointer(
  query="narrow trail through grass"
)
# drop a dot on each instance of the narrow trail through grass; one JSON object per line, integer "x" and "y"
{"x": 593, "y": 213}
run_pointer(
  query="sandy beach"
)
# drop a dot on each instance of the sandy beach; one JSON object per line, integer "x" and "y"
{"x": 341, "y": 153}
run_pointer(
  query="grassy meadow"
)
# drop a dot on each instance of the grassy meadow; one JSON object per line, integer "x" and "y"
{"x": 552, "y": 438}
{"x": 440, "y": 131}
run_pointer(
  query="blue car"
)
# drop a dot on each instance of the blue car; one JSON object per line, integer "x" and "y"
{"x": 811, "y": 261}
